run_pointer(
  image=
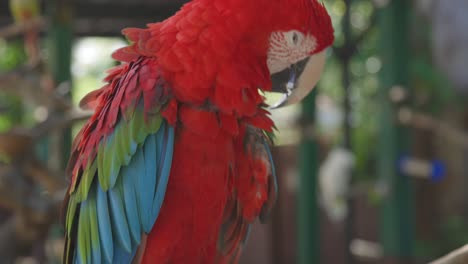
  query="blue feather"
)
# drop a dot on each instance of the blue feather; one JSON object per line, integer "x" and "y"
{"x": 78, "y": 258}
{"x": 149, "y": 151}
{"x": 104, "y": 224}
{"x": 131, "y": 205}
{"x": 273, "y": 170}
{"x": 135, "y": 180}
{"x": 138, "y": 173}
{"x": 133, "y": 147}
{"x": 247, "y": 234}
{"x": 166, "y": 141}
{"x": 272, "y": 182}
{"x": 119, "y": 219}
{"x": 160, "y": 138}
{"x": 123, "y": 257}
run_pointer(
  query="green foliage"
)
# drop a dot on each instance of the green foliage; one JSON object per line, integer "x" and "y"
{"x": 10, "y": 111}
{"x": 364, "y": 67}
{"x": 11, "y": 56}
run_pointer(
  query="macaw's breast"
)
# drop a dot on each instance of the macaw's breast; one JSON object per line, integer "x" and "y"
{"x": 208, "y": 205}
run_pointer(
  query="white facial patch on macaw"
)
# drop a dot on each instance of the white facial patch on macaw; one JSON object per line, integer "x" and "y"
{"x": 287, "y": 48}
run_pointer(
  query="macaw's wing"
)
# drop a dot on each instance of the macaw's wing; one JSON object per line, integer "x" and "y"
{"x": 120, "y": 166}
{"x": 254, "y": 194}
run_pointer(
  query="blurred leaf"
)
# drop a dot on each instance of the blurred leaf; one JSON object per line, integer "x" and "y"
{"x": 11, "y": 54}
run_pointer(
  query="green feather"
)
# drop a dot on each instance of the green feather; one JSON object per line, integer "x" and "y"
{"x": 120, "y": 151}
{"x": 70, "y": 213}
{"x": 94, "y": 235}
{"x": 154, "y": 123}
{"x": 125, "y": 142}
{"x": 111, "y": 161}
{"x": 83, "y": 233}
{"x": 87, "y": 179}
{"x": 67, "y": 251}
{"x": 136, "y": 126}
{"x": 116, "y": 150}
{"x": 102, "y": 170}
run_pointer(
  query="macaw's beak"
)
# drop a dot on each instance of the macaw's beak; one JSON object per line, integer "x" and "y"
{"x": 297, "y": 81}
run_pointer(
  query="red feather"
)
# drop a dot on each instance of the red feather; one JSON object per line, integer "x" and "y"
{"x": 111, "y": 102}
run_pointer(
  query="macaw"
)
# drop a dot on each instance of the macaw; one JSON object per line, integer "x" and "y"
{"x": 24, "y": 11}
{"x": 174, "y": 166}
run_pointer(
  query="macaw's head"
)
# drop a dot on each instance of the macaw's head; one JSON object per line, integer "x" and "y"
{"x": 288, "y": 36}
{"x": 296, "y": 48}
{"x": 296, "y": 54}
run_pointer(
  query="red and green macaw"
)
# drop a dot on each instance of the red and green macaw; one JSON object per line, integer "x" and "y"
{"x": 174, "y": 166}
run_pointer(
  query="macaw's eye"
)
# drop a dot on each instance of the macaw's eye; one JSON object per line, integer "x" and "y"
{"x": 294, "y": 38}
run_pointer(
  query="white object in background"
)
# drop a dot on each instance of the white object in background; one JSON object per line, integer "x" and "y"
{"x": 334, "y": 178}
{"x": 366, "y": 249}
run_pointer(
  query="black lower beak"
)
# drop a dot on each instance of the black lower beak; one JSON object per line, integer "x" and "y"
{"x": 298, "y": 80}
{"x": 283, "y": 79}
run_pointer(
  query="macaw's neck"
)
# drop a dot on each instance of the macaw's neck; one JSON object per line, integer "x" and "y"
{"x": 226, "y": 99}
{"x": 225, "y": 80}
{"x": 232, "y": 89}
{"x": 207, "y": 122}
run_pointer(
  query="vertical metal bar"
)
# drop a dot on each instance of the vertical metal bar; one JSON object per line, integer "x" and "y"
{"x": 308, "y": 211}
{"x": 397, "y": 214}
{"x": 346, "y": 74}
{"x": 347, "y": 135}
{"x": 60, "y": 43}
{"x": 60, "y": 40}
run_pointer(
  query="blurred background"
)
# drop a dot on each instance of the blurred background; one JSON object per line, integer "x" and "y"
{"x": 372, "y": 167}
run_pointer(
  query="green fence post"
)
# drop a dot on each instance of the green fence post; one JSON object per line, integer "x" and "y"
{"x": 308, "y": 212}
{"x": 396, "y": 230}
{"x": 59, "y": 45}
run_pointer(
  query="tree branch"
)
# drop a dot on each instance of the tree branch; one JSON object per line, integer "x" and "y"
{"x": 17, "y": 29}
{"x": 417, "y": 120}
{"x": 459, "y": 256}
{"x": 43, "y": 176}
{"x": 60, "y": 122}
{"x": 29, "y": 83}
